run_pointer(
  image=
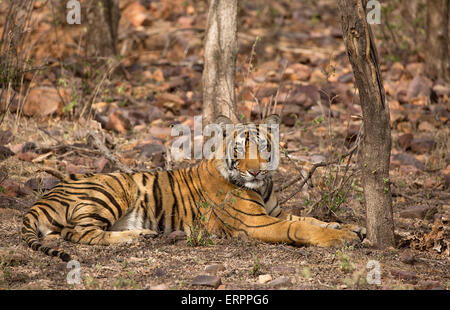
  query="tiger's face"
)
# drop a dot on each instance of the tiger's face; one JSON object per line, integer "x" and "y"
{"x": 250, "y": 152}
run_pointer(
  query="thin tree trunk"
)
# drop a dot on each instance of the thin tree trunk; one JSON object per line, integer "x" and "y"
{"x": 103, "y": 22}
{"x": 219, "y": 95}
{"x": 436, "y": 52}
{"x": 376, "y": 144}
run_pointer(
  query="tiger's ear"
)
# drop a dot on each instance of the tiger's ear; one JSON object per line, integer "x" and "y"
{"x": 222, "y": 120}
{"x": 272, "y": 119}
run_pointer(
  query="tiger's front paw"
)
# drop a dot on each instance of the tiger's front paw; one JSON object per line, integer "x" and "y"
{"x": 360, "y": 231}
{"x": 338, "y": 238}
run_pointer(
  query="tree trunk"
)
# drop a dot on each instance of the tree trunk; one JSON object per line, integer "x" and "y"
{"x": 103, "y": 22}
{"x": 219, "y": 95}
{"x": 436, "y": 51}
{"x": 376, "y": 143}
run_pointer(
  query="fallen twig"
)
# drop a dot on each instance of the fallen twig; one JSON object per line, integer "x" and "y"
{"x": 311, "y": 172}
{"x": 52, "y": 172}
{"x": 107, "y": 153}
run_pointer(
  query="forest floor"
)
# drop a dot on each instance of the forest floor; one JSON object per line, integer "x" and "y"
{"x": 290, "y": 52}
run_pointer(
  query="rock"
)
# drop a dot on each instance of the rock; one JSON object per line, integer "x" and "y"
{"x": 264, "y": 278}
{"x": 280, "y": 282}
{"x": 160, "y": 132}
{"x": 6, "y": 136}
{"x": 103, "y": 165}
{"x": 318, "y": 158}
{"x": 419, "y": 85}
{"x": 346, "y": 78}
{"x": 170, "y": 101}
{"x": 143, "y": 115}
{"x": 283, "y": 269}
{"x": 136, "y": 14}
{"x": 422, "y": 145}
{"x": 214, "y": 268}
{"x": 297, "y": 71}
{"x": 446, "y": 181}
{"x": 400, "y": 159}
{"x": 118, "y": 122}
{"x": 415, "y": 68}
{"x": 177, "y": 235}
{"x": 43, "y": 101}
{"x": 396, "y": 71}
{"x": 318, "y": 77}
{"x": 206, "y": 280}
{"x": 407, "y": 258}
{"x": 158, "y": 273}
{"x": 404, "y": 275}
{"x": 441, "y": 90}
{"x": 429, "y": 285}
{"x": 404, "y": 141}
{"x": 41, "y": 184}
{"x": 160, "y": 287}
{"x": 419, "y": 212}
{"x": 426, "y": 126}
{"x": 9, "y": 100}
{"x": 149, "y": 149}
{"x": 5, "y": 152}
{"x": 290, "y": 114}
{"x": 27, "y": 156}
{"x": 29, "y": 146}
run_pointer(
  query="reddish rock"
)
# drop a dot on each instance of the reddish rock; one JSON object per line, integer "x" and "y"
{"x": 420, "y": 85}
{"x": 418, "y": 212}
{"x": 422, "y": 145}
{"x": 404, "y": 141}
{"x": 43, "y": 101}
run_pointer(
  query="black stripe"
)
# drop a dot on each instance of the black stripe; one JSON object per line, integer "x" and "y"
{"x": 34, "y": 214}
{"x": 50, "y": 219}
{"x": 104, "y": 192}
{"x": 271, "y": 210}
{"x": 144, "y": 179}
{"x": 159, "y": 212}
{"x": 100, "y": 202}
{"x": 57, "y": 195}
{"x": 40, "y": 203}
{"x": 248, "y": 199}
{"x": 118, "y": 181}
{"x": 268, "y": 193}
{"x": 63, "y": 203}
{"x": 182, "y": 198}
{"x": 97, "y": 217}
{"x": 249, "y": 226}
{"x": 288, "y": 230}
{"x": 175, "y": 206}
{"x": 86, "y": 233}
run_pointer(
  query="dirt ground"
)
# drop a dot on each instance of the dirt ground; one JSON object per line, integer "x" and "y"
{"x": 289, "y": 50}
{"x": 167, "y": 263}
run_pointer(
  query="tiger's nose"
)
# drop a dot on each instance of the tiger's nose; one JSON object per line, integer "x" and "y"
{"x": 254, "y": 172}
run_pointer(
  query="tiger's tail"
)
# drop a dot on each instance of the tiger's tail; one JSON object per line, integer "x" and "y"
{"x": 30, "y": 234}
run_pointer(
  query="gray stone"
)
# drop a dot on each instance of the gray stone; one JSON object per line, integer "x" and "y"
{"x": 214, "y": 268}
{"x": 206, "y": 280}
{"x": 280, "y": 282}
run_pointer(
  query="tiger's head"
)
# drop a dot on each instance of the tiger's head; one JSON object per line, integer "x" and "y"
{"x": 248, "y": 153}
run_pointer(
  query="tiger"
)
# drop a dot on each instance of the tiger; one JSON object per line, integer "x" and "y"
{"x": 233, "y": 195}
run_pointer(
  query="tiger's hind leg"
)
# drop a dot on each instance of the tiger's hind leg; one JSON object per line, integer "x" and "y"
{"x": 97, "y": 236}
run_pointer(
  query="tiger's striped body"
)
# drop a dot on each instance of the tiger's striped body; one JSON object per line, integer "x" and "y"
{"x": 113, "y": 208}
